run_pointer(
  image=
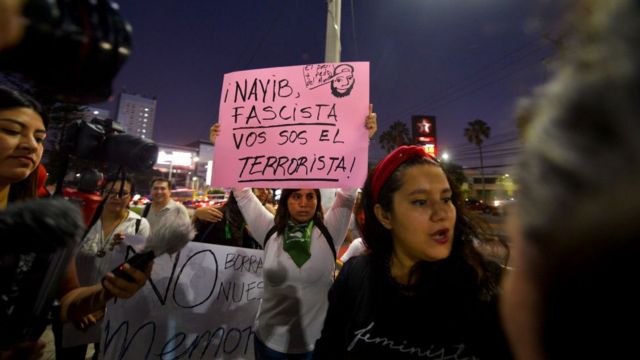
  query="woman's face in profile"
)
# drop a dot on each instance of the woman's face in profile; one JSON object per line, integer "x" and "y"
{"x": 22, "y": 135}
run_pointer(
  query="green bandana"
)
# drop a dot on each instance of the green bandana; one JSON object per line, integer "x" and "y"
{"x": 297, "y": 242}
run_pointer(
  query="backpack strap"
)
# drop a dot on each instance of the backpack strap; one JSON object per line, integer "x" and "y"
{"x": 266, "y": 238}
{"x": 138, "y": 221}
{"x": 145, "y": 212}
{"x": 323, "y": 229}
{"x": 327, "y": 235}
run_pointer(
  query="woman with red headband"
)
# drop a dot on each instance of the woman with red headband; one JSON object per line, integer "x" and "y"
{"x": 423, "y": 291}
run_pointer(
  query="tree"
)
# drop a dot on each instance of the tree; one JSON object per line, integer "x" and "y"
{"x": 476, "y": 133}
{"x": 455, "y": 172}
{"x": 396, "y": 135}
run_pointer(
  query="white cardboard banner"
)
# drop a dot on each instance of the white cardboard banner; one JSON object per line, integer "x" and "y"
{"x": 200, "y": 303}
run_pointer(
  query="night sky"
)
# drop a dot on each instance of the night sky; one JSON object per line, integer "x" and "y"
{"x": 456, "y": 59}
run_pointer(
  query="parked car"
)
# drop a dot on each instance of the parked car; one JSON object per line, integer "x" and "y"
{"x": 504, "y": 206}
{"x": 481, "y": 206}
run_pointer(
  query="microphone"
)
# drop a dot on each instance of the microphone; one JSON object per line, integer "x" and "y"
{"x": 39, "y": 238}
{"x": 169, "y": 238}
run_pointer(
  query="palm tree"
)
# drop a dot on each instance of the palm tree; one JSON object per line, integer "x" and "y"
{"x": 396, "y": 135}
{"x": 476, "y": 132}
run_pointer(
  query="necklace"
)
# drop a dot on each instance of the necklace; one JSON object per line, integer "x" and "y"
{"x": 105, "y": 240}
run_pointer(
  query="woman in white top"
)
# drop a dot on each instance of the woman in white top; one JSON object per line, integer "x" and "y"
{"x": 298, "y": 267}
{"x": 116, "y": 220}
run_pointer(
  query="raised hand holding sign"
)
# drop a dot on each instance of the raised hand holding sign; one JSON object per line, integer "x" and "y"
{"x": 298, "y": 126}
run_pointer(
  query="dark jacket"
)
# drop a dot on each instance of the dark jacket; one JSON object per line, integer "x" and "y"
{"x": 372, "y": 317}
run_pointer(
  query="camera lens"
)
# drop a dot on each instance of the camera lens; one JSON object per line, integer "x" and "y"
{"x": 130, "y": 151}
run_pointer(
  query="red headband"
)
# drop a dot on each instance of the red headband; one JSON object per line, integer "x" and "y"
{"x": 389, "y": 164}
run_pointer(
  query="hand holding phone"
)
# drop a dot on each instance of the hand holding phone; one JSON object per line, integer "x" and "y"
{"x": 127, "y": 279}
{"x": 138, "y": 261}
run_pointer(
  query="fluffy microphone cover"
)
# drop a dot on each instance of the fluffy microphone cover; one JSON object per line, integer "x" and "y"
{"x": 40, "y": 225}
{"x": 170, "y": 237}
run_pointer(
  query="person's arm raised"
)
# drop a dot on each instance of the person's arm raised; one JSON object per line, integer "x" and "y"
{"x": 371, "y": 122}
{"x": 214, "y": 132}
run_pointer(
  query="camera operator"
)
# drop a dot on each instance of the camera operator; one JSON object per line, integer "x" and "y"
{"x": 22, "y": 133}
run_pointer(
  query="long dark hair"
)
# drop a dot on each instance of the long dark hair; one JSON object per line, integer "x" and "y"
{"x": 9, "y": 99}
{"x": 464, "y": 257}
{"x": 233, "y": 216}
{"x": 282, "y": 214}
{"x": 114, "y": 179}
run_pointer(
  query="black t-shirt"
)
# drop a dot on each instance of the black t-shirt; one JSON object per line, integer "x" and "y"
{"x": 372, "y": 317}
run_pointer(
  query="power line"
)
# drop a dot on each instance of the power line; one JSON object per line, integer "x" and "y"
{"x": 489, "y": 147}
{"x": 488, "y": 151}
{"x": 493, "y": 81}
{"x": 266, "y": 34}
{"x": 509, "y": 136}
{"x": 488, "y": 166}
{"x": 478, "y": 73}
{"x": 487, "y": 156}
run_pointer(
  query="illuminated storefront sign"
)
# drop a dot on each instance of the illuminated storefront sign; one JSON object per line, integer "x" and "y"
{"x": 423, "y": 130}
{"x": 175, "y": 158}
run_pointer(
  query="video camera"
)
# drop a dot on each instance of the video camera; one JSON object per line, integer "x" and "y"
{"x": 70, "y": 48}
{"x": 101, "y": 140}
{"x": 104, "y": 140}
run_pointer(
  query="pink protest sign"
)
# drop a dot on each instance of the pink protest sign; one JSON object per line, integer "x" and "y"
{"x": 294, "y": 127}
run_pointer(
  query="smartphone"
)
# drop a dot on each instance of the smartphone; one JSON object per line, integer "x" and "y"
{"x": 138, "y": 261}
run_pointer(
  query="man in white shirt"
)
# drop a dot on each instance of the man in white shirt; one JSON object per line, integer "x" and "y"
{"x": 163, "y": 208}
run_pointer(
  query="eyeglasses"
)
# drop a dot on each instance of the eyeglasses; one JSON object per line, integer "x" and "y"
{"x": 116, "y": 193}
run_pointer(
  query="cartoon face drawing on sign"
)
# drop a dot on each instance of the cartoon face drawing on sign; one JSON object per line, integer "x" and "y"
{"x": 342, "y": 81}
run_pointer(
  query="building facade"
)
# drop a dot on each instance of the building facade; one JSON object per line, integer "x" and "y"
{"x": 204, "y": 164}
{"x": 177, "y": 163}
{"x": 137, "y": 114}
{"x": 498, "y": 186}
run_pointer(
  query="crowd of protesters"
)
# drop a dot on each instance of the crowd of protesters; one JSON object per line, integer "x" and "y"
{"x": 415, "y": 285}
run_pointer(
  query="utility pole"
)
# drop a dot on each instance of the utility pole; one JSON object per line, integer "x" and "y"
{"x": 332, "y": 41}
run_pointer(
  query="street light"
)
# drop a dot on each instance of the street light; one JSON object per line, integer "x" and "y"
{"x": 195, "y": 184}
{"x": 445, "y": 156}
{"x": 194, "y": 166}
